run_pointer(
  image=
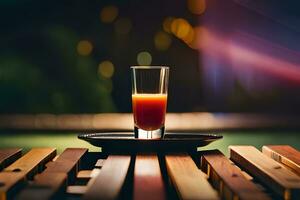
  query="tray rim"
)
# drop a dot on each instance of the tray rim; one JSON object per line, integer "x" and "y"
{"x": 210, "y": 137}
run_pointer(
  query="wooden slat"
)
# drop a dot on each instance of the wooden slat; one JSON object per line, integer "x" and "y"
{"x": 67, "y": 162}
{"x": 272, "y": 174}
{"x": 31, "y": 161}
{"x": 84, "y": 174}
{"x": 53, "y": 179}
{"x": 148, "y": 181}
{"x": 34, "y": 193}
{"x": 107, "y": 185}
{"x": 72, "y": 154}
{"x": 77, "y": 189}
{"x": 100, "y": 163}
{"x": 188, "y": 180}
{"x": 88, "y": 174}
{"x": 45, "y": 186}
{"x": 229, "y": 176}
{"x": 8, "y": 156}
{"x": 10, "y": 182}
{"x": 284, "y": 154}
{"x": 24, "y": 167}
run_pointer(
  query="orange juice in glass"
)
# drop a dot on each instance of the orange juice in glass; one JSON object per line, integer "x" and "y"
{"x": 149, "y": 100}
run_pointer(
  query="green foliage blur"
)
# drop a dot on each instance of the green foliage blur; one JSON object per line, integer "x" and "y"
{"x": 70, "y": 85}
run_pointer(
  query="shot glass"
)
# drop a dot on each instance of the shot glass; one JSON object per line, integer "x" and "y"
{"x": 149, "y": 100}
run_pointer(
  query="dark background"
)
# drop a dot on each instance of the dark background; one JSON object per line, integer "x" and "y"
{"x": 42, "y": 70}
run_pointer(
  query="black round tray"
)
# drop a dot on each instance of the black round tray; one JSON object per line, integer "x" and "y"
{"x": 124, "y": 142}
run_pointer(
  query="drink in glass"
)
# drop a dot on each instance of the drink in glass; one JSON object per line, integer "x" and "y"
{"x": 149, "y": 100}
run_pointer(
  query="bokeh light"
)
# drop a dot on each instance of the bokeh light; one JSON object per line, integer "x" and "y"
{"x": 199, "y": 37}
{"x": 144, "y": 58}
{"x": 183, "y": 30}
{"x": 162, "y": 41}
{"x": 123, "y": 26}
{"x": 188, "y": 38}
{"x": 167, "y": 24}
{"x": 84, "y": 47}
{"x": 180, "y": 28}
{"x": 106, "y": 69}
{"x": 108, "y": 14}
{"x": 196, "y": 6}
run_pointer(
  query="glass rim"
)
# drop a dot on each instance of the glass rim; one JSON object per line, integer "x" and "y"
{"x": 149, "y": 67}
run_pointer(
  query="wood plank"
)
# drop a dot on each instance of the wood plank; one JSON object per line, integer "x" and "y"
{"x": 148, "y": 181}
{"x": 53, "y": 179}
{"x": 274, "y": 175}
{"x": 77, "y": 189}
{"x": 108, "y": 184}
{"x": 34, "y": 193}
{"x": 8, "y": 156}
{"x": 72, "y": 154}
{"x": 68, "y": 162}
{"x": 33, "y": 161}
{"x": 284, "y": 154}
{"x": 229, "y": 176}
{"x": 88, "y": 174}
{"x": 10, "y": 182}
{"x": 99, "y": 163}
{"x": 25, "y": 167}
{"x": 45, "y": 186}
{"x": 188, "y": 180}
{"x": 84, "y": 174}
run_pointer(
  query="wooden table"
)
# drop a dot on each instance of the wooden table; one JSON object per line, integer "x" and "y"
{"x": 249, "y": 173}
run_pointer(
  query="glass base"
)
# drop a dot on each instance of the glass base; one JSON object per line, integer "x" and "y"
{"x": 143, "y": 134}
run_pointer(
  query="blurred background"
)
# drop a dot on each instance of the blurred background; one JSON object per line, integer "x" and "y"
{"x": 75, "y": 56}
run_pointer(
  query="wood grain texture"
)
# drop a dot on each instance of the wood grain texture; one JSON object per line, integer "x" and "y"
{"x": 274, "y": 175}
{"x": 52, "y": 180}
{"x": 108, "y": 184}
{"x": 67, "y": 162}
{"x": 284, "y": 154}
{"x": 77, "y": 189}
{"x": 8, "y": 156}
{"x": 188, "y": 180}
{"x": 229, "y": 176}
{"x": 84, "y": 174}
{"x": 32, "y": 161}
{"x": 10, "y": 182}
{"x": 72, "y": 154}
{"x": 45, "y": 186}
{"x": 100, "y": 163}
{"x": 88, "y": 174}
{"x": 25, "y": 167}
{"x": 148, "y": 181}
